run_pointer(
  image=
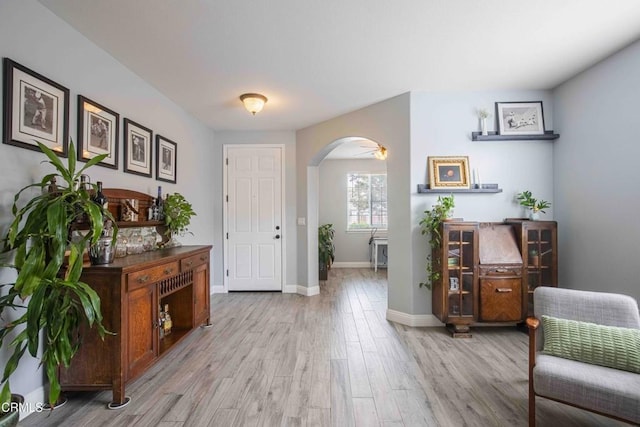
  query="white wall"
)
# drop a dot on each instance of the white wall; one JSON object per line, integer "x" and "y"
{"x": 597, "y": 190}
{"x": 352, "y": 246}
{"x": 441, "y": 125}
{"x": 34, "y": 37}
{"x": 287, "y": 138}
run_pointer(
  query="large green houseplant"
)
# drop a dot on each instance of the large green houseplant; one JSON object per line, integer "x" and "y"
{"x": 430, "y": 224}
{"x": 326, "y": 249}
{"x": 47, "y": 297}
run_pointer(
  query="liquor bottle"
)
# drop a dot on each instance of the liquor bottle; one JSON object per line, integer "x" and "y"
{"x": 161, "y": 321}
{"x": 160, "y": 204}
{"x": 167, "y": 320}
{"x": 84, "y": 185}
{"x": 99, "y": 198}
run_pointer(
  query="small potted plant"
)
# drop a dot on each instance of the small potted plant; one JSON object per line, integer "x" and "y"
{"x": 326, "y": 249}
{"x": 430, "y": 224}
{"x": 177, "y": 217}
{"x": 534, "y": 205}
{"x": 47, "y": 262}
{"x": 534, "y": 258}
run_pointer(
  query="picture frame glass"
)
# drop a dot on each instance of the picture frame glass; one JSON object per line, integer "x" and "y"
{"x": 98, "y": 129}
{"x": 166, "y": 159}
{"x": 520, "y": 118}
{"x": 138, "y": 146}
{"x": 448, "y": 172}
{"x": 36, "y": 110}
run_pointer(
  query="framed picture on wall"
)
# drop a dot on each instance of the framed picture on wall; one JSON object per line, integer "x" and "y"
{"x": 520, "y": 118}
{"x": 448, "y": 172}
{"x": 35, "y": 109}
{"x": 166, "y": 159}
{"x": 137, "y": 148}
{"x": 98, "y": 130}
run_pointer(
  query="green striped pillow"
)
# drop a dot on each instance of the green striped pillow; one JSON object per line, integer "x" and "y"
{"x": 610, "y": 346}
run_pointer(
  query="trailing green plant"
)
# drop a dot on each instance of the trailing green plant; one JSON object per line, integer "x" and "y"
{"x": 177, "y": 214}
{"x": 326, "y": 248}
{"x": 430, "y": 224}
{"x": 527, "y": 200}
{"x": 47, "y": 288}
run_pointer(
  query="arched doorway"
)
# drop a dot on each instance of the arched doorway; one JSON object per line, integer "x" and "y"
{"x": 352, "y": 156}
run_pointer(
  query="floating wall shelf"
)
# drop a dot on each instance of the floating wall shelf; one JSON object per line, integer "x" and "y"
{"x": 494, "y": 136}
{"x": 422, "y": 188}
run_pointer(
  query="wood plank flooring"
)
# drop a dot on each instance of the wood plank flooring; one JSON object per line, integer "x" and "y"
{"x": 274, "y": 359}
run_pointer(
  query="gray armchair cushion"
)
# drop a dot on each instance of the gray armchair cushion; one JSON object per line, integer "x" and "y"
{"x": 598, "y": 388}
{"x": 595, "y": 307}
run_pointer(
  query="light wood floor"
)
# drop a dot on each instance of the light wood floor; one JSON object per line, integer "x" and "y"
{"x": 274, "y": 359}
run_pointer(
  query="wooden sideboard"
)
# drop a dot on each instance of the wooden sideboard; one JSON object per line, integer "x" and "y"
{"x": 131, "y": 290}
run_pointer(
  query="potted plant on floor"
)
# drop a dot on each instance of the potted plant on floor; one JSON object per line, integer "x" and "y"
{"x": 326, "y": 249}
{"x": 47, "y": 299}
{"x": 534, "y": 205}
{"x": 177, "y": 217}
{"x": 430, "y": 224}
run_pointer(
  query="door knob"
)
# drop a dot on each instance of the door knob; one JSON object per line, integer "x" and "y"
{"x": 277, "y": 227}
{"x": 277, "y": 236}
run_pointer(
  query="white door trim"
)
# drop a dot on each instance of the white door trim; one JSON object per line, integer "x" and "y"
{"x": 225, "y": 219}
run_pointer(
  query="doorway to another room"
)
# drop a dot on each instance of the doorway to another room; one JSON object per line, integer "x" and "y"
{"x": 352, "y": 196}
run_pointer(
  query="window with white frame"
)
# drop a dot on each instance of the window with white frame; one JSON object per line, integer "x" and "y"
{"x": 366, "y": 201}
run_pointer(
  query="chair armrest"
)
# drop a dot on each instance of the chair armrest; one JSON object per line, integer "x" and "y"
{"x": 532, "y": 323}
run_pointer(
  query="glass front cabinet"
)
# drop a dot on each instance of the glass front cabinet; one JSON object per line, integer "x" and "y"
{"x": 455, "y": 290}
{"x": 538, "y": 242}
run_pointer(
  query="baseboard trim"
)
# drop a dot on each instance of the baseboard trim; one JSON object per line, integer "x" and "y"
{"x": 290, "y": 289}
{"x": 33, "y": 402}
{"x": 354, "y": 264}
{"x": 218, "y": 289}
{"x": 413, "y": 320}
{"x": 308, "y": 292}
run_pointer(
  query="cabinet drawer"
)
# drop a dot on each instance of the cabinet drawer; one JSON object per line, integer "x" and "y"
{"x": 193, "y": 261}
{"x": 501, "y": 271}
{"x": 500, "y": 300}
{"x": 151, "y": 275}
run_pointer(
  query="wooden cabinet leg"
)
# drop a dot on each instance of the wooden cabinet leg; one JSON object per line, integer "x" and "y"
{"x": 459, "y": 331}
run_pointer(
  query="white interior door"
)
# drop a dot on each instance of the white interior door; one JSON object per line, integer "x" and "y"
{"x": 253, "y": 218}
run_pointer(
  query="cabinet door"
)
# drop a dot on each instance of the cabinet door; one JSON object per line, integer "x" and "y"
{"x": 201, "y": 294}
{"x": 142, "y": 336}
{"x": 459, "y": 272}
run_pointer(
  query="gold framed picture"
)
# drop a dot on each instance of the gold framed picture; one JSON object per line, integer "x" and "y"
{"x": 448, "y": 172}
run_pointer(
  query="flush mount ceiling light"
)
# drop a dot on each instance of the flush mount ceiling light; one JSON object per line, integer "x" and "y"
{"x": 380, "y": 153}
{"x": 253, "y": 102}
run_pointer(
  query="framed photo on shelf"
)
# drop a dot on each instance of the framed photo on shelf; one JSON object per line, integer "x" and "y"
{"x": 35, "y": 109}
{"x": 166, "y": 159}
{"x": 98, "y": 130}
{"x": 448, "y": 172}
{"x": 520, "y": 118}
{"x": 454, "y": 284}
{"x": 138, "y": 143}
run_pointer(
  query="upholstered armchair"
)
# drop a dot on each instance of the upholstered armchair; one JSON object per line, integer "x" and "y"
{"x": 573, "y": 334}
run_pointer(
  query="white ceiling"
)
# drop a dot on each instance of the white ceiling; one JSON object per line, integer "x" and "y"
{"x": 316, "y": 60}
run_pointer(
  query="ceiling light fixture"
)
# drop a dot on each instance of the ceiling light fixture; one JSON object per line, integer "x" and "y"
{"x": 253, "y": 102}
{"x": 380, "y": 153}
